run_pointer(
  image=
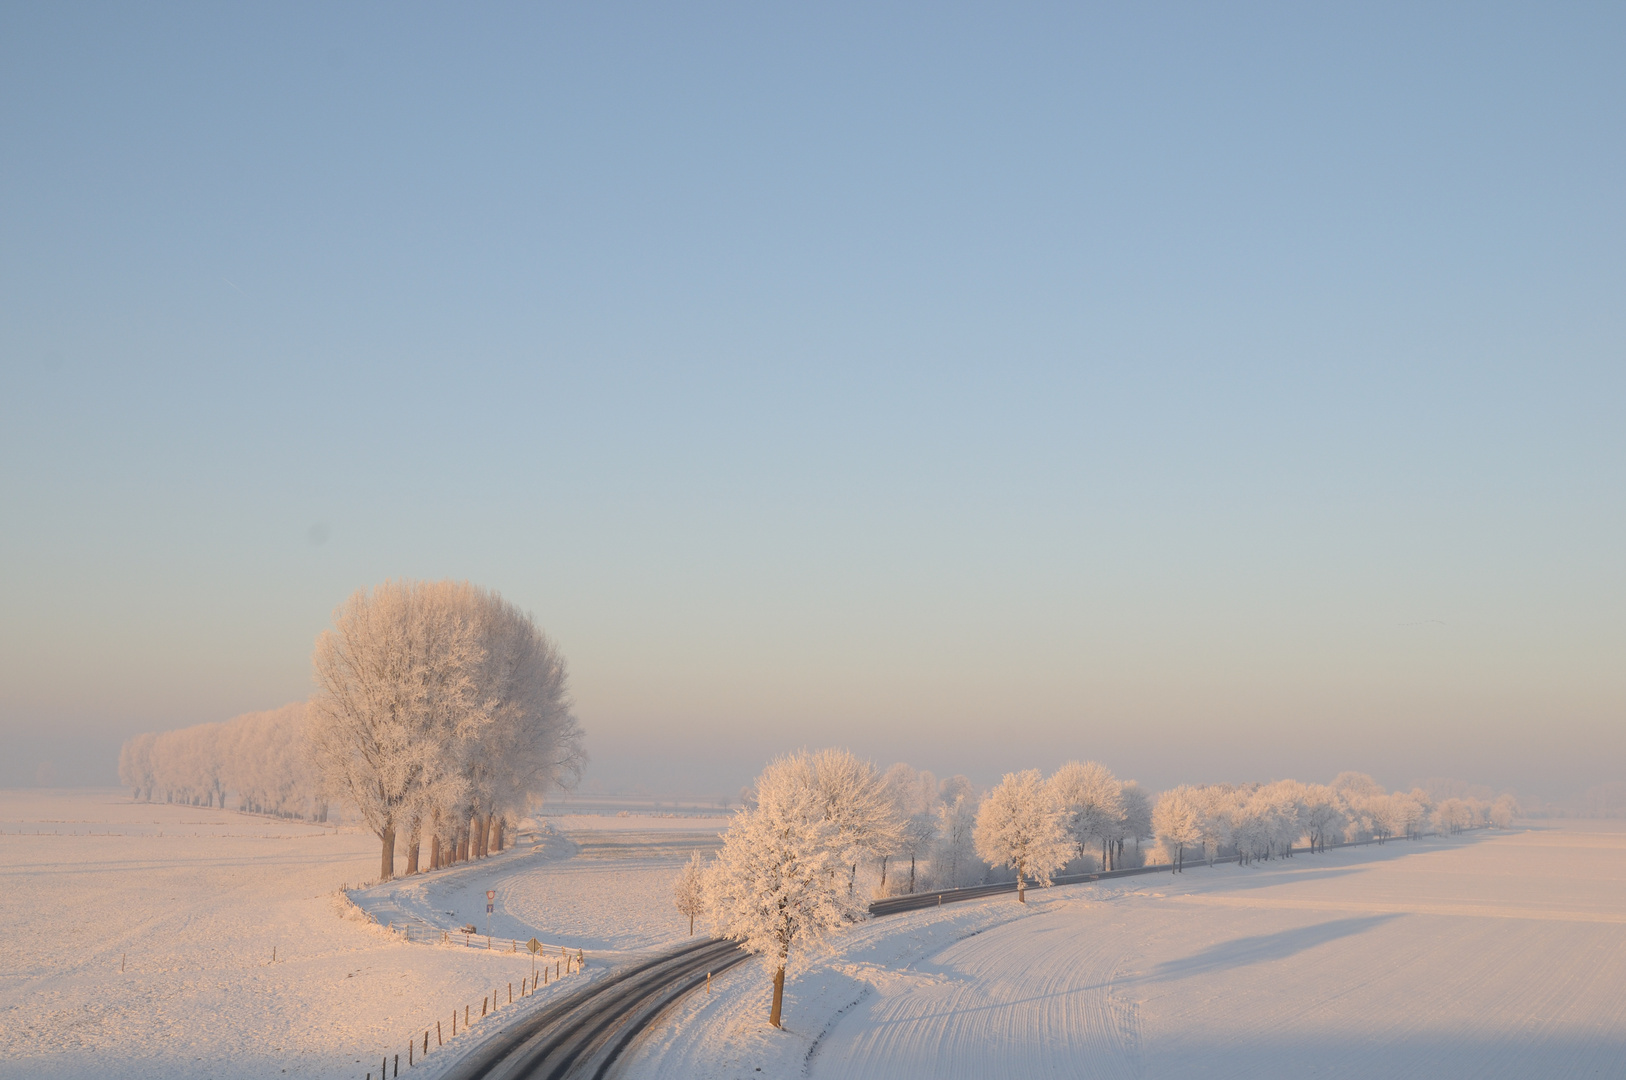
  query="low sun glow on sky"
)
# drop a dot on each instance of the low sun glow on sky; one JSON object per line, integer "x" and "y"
{"x": 1223, "y": 394}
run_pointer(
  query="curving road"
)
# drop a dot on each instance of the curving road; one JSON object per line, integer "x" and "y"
{"x": 582, "y": 1034}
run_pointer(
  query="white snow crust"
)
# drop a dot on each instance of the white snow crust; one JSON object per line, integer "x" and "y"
{"x": 1480, "y": 955}
{"x": 197, "y": 899}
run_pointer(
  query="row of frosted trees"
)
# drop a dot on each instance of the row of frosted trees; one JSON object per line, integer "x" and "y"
{"x": 441, "y": 714}
{"x": 822, "y": 832}
{"x": 1264, "y": 821}
{"x": 259, "y": 759}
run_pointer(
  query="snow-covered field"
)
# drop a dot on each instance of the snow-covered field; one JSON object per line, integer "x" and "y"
{"x": 1489, "y": 954}
{"x": 192, "y": 902}
{"x": 599, "y": 883}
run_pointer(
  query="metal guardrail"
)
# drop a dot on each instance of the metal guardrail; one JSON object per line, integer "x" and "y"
{"x": 892, "y": 905}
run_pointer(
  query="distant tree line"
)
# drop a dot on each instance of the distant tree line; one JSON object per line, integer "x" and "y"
{"x": 441, "y": 714}
{"x": 258, "y": 758}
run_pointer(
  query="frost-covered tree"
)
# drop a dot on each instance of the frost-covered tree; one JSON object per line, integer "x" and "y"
{"x": 438, "y": 702}
{"x": 1136, "y": 824}
{"x": 1218, "y": 805}
{"x": 1503, "y": 811}
{"x": 688, "y": 891}
{"x": 524, "y": 737}
{"x": 1453, "y": 815}
{"x": 855, "y": 801}
{"x": 915, "y": 800}
{"x": 1323, "y": 817}
{"x": 779, "y": 885}
{"x": 1093, "y": 800}
{"x": 396, "y": 679}
{"x": 136, "y": 765}
{"x": 1022, "y": 825}
{"x": 954, "y": 860}
{"x": 1177, "y": 821}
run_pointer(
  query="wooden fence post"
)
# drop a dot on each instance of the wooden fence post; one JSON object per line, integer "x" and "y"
{"x": 437, "y": 1029}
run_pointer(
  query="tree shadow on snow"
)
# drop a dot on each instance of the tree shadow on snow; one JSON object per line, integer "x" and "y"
{"x": 1262, "y": 948}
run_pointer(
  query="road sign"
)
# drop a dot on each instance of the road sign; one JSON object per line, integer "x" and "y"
{"x": 491, "y": 894}
{"x": 534, "y": 946}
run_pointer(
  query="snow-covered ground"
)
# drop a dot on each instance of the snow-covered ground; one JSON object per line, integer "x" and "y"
{"x": 600, "y": 883}
{"x": 1489, "y": 954}
{"x": 192, "y": 902}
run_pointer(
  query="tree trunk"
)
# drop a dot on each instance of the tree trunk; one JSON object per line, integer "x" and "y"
{"x": 691, "y": 926}
{"x": 387, "y": 856}
{"x": 1021, "y": 886}
{"x": 494, "y": 830}
{"x": 434, "y": 852}
{"x": 884, "y": 858}
{"x": 911, "y": 873}
{"x": 498, "y": 845}
{"x": 778, "y": 996}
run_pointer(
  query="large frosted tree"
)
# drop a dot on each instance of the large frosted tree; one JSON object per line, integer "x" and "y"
{"x": 1093, "y": 800}
{"x": 780, "y": 883}
{"x": 1022, "y": 825}
{"x": 1177, "y": 821}
{"x": 437, "y": 701}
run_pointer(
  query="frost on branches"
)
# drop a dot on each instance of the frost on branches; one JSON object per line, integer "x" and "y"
{"x": 1021, "y": 825}
{"x": 259, "y": 757}
{"x": 688, "y": 892}
{"x": 441, "y": 710}
{"x": 915, "y": 800}
{"x": 783, "y": 879}
{"x": 1093, "y": 800}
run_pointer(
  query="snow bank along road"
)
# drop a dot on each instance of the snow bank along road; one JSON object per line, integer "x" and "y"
{"x": 1484, "y": 955}
{"x": 584, "y": 1034}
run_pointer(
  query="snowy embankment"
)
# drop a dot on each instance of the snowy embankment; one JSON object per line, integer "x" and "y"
{"x": 1488, "y": 954}
{"x": 192, "y": 903}
{"x": 602, "y": 884}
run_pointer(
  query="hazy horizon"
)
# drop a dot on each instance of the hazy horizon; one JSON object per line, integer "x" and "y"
{"x": 1221, "y": 395}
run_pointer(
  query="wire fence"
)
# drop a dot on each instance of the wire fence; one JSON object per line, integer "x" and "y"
{"x": 419, "y": 1048}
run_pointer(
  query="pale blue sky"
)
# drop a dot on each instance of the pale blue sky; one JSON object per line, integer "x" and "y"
{"x": 1222, "y": 393}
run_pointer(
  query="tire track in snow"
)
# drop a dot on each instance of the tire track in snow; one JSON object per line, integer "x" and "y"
{"x": 996, "y": 1004}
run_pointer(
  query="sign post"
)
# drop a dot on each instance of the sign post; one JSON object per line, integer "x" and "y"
{"x": 491, "y": 897}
